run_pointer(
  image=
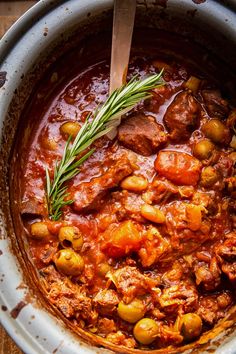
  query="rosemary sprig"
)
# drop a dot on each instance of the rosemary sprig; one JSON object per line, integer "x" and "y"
{"x": 105, "y": 120}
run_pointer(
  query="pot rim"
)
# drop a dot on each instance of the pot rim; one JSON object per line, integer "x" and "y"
{"x": 25, "y": 27}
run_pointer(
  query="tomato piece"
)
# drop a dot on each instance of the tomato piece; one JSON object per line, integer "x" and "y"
{"x": 178, "y": 167}
{"x": 122, "y": 239}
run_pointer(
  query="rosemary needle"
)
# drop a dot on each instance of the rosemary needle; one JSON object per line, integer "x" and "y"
{"x": 105, "y": 119}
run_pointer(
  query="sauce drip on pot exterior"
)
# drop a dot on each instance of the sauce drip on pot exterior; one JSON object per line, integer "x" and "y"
{"x": 145, "y": 256}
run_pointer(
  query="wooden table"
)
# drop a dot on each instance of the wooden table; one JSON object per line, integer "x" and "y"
{"x": 10, "y": 11}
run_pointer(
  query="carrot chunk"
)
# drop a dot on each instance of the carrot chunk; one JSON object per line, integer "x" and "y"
{"x": 178, "y": 167}
{"x": 122, "y": 239}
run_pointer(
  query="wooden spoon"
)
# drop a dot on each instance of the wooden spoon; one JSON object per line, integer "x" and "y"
{"x": 123, "y": 24}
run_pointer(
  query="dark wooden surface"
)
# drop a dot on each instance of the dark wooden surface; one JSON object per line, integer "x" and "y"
{"x": 10, "y": 11}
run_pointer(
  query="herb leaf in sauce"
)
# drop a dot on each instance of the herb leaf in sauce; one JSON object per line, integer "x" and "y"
{"x": 105, "y": 119}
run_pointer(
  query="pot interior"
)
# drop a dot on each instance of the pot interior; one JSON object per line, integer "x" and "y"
{"x": 167, "y": 31}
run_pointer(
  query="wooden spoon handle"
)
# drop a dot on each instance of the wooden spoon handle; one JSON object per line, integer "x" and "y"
{"x": 123, "y": 23}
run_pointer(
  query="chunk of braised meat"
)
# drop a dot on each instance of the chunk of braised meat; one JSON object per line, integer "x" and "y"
{"x": 70, "y": 298}
{"x": 179, "y": 298}
{"x": 155, "y": 248}
{"x": 213, "y": 307}
{"x": 206, "y": 200}
{"x": 226, "y": 254}
{"x": 119, "y": 338}
{"x": 168, "y": 336}
{"x": 33, "y": 206}
{"x": 90, "y": 195}
{"x": 182, "y": 116}
{"x": 215, "y": 105}
{"x": 105, "y": 326}
{"x": 105, "y": 301}
{"x": 230, "y": 184}
{"x": 47, "y": 253}
{"x": 187, "y": 226}
{"x": 141, "y": 134}
{"x": 127, "y": 205}
{"x": 161, "y": 190}
{"x": 179, "y": 167}
{"x": 177, "y": 272}
{"x": 225, "y": 166}
{"x": 129, "y": 282}
{"x": 208, "y": 274}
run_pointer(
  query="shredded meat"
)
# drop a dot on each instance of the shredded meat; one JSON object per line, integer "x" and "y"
{"x": 119, "y": 338}
{"x": 106, "y": 326}
{"x": 90, "y": 195}
{"x": 106, "y": 301}
{"x": 47, "y": 253}
{"x": 182, "y": 116}
{"x": 155, "y": 248}
{"x": 209, "y": 275}
{"x": 161, "y": 190}
{"x": 225, "y": 166}
{"x": 179, "y": 298}
{"x": 141, "y": 134}
{"x": 69, "y": 297}
{"x": 168, "y": 337}
{"x": 212, "y": 308}
{"x": 130, "y": 282}
{"x": 187, "y": 225}
{"x": 127, "y": 205}
{"x": 226, "y": 254}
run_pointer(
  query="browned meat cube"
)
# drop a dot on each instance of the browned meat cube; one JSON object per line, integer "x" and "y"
{"x": 181, "y": 297}
{"x": 182, "y": 116}
{"x": 209, "y": 275}
{"x": 216, "y": 106}
{"x": 141, "y": 134}
{"x": 212, "y": 308}
{"x": 129, "y": 282}
{"x": 70, "y": 298}
{"x": 90, "y": 195}
{"x": 226, "y": 254}
{"x": 106, "y": 301}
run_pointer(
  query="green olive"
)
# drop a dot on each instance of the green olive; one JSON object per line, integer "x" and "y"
{"x": 146, "y": 331}
{"x": 103, "y": 269}
{"x": 71, "y": 236}
{"x": 39, "y": 230}
{"x": 70, "y": 129}
{"x": 215, "y": 130}
{"x": 189, "y": 326}
{"x": 203, "y": 149}
{"x": 131, "y": 312}
{"x": 209, "y": 176}
{"x": 69, "y": 262}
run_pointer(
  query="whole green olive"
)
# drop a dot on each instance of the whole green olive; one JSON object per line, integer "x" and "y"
{"x": 71, "y": 236}
{"x": 203, "y": 149}
{"x": 70, "y": 129}
{"x": 146, "y": 330}
{"x": 103, "y": 269}
{"x": 69, "y": 262}
{"x": 189, "y": 326}
{"x": 131, "y": 312}
{"x": 215, "y": 130}
{"x": 209, "y": 176}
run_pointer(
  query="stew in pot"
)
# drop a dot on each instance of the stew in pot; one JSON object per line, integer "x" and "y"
{"x": 145, "y": 254}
